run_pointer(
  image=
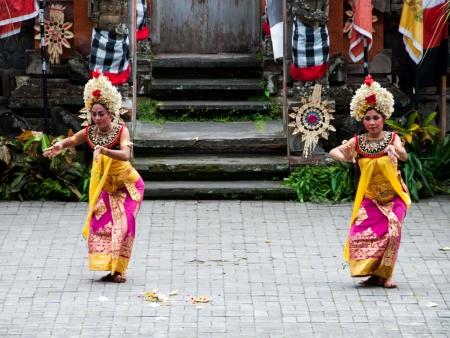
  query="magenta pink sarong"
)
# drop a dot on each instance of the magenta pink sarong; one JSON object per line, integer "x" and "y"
{"x": 374, "y": 238}
{"x": 112, "y": 229}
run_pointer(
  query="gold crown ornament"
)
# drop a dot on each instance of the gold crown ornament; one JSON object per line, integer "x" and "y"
{"x": 371, "y": 96}
{"x": 100, "y": 90}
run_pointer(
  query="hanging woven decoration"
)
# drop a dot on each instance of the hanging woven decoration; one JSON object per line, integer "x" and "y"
{"x": 56, "y": 33}
{"x": 312, "y": 120}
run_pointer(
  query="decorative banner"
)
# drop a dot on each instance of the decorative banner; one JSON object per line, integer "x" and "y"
{"x": 13, "y": 12}
{"x": 348, "y": 26}
{"x": 424, "y": 26}
{"x": 310, "y": 51}
{"x": 362, "y": 28}
{"x": 312, "y": 120}
{"x": 56, "y": 33}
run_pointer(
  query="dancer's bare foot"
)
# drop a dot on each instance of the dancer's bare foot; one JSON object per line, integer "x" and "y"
{"x": 371, "y": 281}
{"x": 119, "y": 278}
{"x": 107, "y": 278}
{"x": 116, "y": 278}
{"x": 389, "y": 283}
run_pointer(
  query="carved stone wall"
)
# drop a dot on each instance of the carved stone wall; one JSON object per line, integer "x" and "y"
{"x": 12, "y": 48}
{"x": 12, "y": 58}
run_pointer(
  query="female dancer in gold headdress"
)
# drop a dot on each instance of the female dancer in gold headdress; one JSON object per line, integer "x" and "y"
{"x": 381, "y": 199}
{"x": 116, "y": 190}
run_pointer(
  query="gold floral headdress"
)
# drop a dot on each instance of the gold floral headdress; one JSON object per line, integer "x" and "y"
{"x": 100, "y": 90}
{"x": 371, "y": 95}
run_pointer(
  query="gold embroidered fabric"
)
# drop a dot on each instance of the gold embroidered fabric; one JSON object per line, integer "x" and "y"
{"x": 119, "y": 231}
{"x": 379, "y": 188}
{"x": 111, "y": 175}
{"x": 100, "y": 241}
{"x": 115, "y": 182}
{"x": 395, "y": 226}
{"x": 368, "y": 166}
{"x": 116, "y": 202}
{"x": 367, "y": 245}
{"x": 362, "y": 215}
{"x": 100, "y": 209}
{"x": 132, "y": 190}
{"x": 103, "y": 262}
{"x": 127, "y": 246}
{"x": 122, "y": 174}
{"x": 369, "y": 267}
{"x": 371, "y": 255}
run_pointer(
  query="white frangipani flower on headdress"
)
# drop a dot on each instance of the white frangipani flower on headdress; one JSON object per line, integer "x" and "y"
{"x": 371, "y": 96}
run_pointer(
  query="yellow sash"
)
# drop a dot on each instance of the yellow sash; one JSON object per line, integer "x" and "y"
{"x": 98, "y": 178}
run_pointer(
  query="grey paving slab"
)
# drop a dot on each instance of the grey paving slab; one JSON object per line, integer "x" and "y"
{"x": 271, "y": 268}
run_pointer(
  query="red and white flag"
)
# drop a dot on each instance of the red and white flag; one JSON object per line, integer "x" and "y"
{"x": 13, "y": 12}
{"x": 274, "y": 14}
{"x": 362, "y": 29}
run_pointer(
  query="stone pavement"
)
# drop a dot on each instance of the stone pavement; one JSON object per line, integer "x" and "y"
{"x": 272, "y": 269}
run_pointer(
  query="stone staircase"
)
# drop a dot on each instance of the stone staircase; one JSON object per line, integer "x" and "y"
{"x": 213, "y": 160}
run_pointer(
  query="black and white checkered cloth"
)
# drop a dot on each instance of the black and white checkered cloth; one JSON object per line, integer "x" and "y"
{"x": 141, "y": 11}
{"x": 110, "y": 51}
{"x": 310, "y": 45}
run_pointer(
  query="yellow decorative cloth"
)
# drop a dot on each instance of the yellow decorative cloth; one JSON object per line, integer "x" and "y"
{"x": 411, "y": 26}
{"x": 386, "y": 176}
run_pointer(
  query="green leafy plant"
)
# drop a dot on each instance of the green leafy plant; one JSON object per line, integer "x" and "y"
{"x": 438, "y": 161}
{"x": 275, "y": 108}
{"x": 428, "y": 174}
{"x": 27, "y": 175}
{"x": 414, "y": 128}
{"x": 320, "y": 183}
{"x": 148, "y": 112}
{"x": 418, "y": 178}
{"x": 426, "y": 171}
{"x": 7, "y": 159}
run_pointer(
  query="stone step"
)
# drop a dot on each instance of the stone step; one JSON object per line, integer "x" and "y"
{"x": 145, "y": 71}
{"x": 225, "y": 60}
{"x": 169, "y": 87}
{"x": 205, "y": 73}
{"x": 211, "y": 107}
{"x": 218, "y": 190}
{"x": 210, "y": 137}
{"x": 203, "y": 167}
{"x": 219, "y": 66}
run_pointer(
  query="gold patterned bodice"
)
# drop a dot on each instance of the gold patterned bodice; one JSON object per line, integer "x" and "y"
{"x": 373, "y": 148}
{"x": 379, "y": 187}
{"x": 110, "y": 140}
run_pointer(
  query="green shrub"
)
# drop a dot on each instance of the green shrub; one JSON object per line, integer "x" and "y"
{"x": 427, "y": 170}
{"x": 334, "y": 182}
{"x": 25, "y": 174}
